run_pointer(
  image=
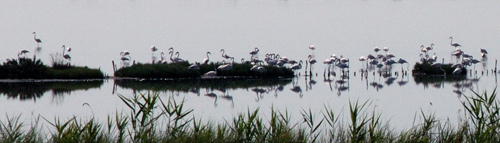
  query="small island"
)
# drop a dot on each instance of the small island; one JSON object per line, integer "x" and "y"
{"x": 217, "y": 70}
{"x": 438, "y": 69}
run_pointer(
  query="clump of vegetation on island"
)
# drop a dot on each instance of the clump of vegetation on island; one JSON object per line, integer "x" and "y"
{"x": 148, "y": 118}
{"x": 27, "y": 68}
{"x": 180, "y": 70}
{"x": 425, "y": 69}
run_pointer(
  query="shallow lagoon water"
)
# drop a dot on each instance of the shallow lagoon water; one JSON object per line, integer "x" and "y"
{"x": 98, "y": 31}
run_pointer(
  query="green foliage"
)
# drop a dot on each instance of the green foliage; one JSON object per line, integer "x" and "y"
{"x": 74, "y": 73}
{"x": 22, "y": 68}
{"x": 26, "y": 68}
{"x": 428, "y": 69}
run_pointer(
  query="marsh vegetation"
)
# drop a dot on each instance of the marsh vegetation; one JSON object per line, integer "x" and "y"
{"x": 151, "y": 119}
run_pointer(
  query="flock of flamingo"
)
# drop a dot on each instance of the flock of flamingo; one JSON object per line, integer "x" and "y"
{"x": 65, "y": 53}
{"x": 382, "y": 61}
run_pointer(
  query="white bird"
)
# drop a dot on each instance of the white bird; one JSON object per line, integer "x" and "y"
{"x": 38, "y": 41}
{"x": 376, "y": 49}
{"x": 225, "y": 67}
{"x": 484, "y": 51}
{"x": 386, "y": 49}
{"x": 311, "y": 60}
{"x": 210, "y": 74}
{"x": 176, "y": 58}
{"x": 123, "y": 58}
{"x": 66, "y": 55}
{"x": 428, "y": 48}
{"x": 457, "y": 71}
{"x": 403, "y": 61}
{"x": 454, "y": 44}
{"x": 194, "y": 66}
{"x": 162, "y": 58}
{"x": 312, "y": 47}
{"x": 154, "y": 49}
{"x": 254, "y": 52}
{"x": 22, "y": 52}
{"x": 205, "y": 61}
{"x": 258, "y": 68}
{"x": 297, "y": 66}
{"x": 224, "y": 55}
{"x": 125, "y": 53}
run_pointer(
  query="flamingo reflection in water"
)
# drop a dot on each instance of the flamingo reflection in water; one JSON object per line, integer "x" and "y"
{"x": 259, "y": 93}
{"x": 341, "y": 85}
{"x": 297, "y": 89}
{"x": 212, "y": 95}
{"x": 278, "y": 88}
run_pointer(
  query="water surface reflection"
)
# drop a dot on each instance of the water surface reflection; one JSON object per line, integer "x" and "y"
{"x": 34, "y": 90}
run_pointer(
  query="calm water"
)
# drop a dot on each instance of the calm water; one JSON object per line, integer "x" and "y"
{"x": 98, "y": 31}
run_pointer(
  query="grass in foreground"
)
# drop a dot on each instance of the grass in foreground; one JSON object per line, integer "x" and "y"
{"x": 150, "y": 119}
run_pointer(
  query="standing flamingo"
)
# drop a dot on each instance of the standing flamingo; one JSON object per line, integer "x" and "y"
{"x": 162, "y": 58}
{"x": 376, "y": 49}
{"x": 38, "y": 41}
{"x": 254, "y": 52}
{"x": 66, "y": 55}
{"x": 483, "y": 53}
{"x": 224, "y": 55}
{"x": 454, "y": 44}
{"x": 153, "y": 50}
{"x": 205, "y": 61}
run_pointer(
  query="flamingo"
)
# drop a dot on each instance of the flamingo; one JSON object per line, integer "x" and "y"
{"x": 403, "y": 61}
{"x": 195, "y": 66}
{"x": 38, "y": 41}
{"x": 66, "y": 55}
{"x": 162, "y": 58}
{"x": 483, "y": 53}
{"x": 258, "y": 68}
{"x": 386, "y": 49}
{"x": 125, "y": 53}
{"x": 430, "y": 47}
{"x": 457, "y": 71}
{"x": 376, "y": 49}
{"x": 22, "y": 52}
{"x": 297, "y": 66}
{"x": 176, "y": 58}
{"x": 211, "y": 73}
{"x": 225, "y": 67}
{"x": 205, "y": 61}
{"x": 243, "y": 61}
{"x": 225, "y": 55}
{"x": 454, "y": 44}
{"x": 254, "y": 52}
{"x": 312, "y": 48}
{"x": 124, "y": 57}
{"x": 154, "y": 49}
{"x": 438, "y": 65}
{"x": 311, "y": 60}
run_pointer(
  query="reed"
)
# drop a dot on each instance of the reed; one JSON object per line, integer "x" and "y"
{"x": 150, "y": 119}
